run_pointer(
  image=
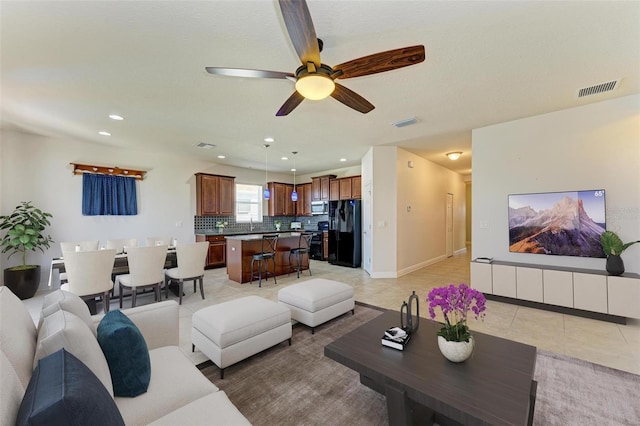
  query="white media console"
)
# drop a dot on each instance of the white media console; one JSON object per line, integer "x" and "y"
{"x": 568, "y": 290}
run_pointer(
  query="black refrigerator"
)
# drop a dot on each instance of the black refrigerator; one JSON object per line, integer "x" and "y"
{"x": 345, "y": 233}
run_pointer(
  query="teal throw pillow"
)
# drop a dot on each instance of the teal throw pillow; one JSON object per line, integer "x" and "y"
{"x": 126, "y": 353}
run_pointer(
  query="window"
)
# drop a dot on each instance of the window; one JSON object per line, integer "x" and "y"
{"x": 248, "y": 203}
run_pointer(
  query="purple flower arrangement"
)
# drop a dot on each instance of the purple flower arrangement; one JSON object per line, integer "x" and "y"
{"x": 456, "y": 302}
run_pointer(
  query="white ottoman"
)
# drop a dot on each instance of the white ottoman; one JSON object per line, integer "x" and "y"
{"x": 232, "y": 331}
{"x": 316, "y": 301}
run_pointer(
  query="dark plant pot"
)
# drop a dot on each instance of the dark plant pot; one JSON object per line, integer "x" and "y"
{"x": 615, "y": 266}
{"x": 23, "y": 282}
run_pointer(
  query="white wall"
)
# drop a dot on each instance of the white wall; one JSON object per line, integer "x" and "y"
{"x": 589, "y": 147}
{"x": 35, "y": 168}
{"x": 409, "y": 209}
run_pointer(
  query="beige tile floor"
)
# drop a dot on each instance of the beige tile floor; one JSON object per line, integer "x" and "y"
{"x": 605, "y": 343}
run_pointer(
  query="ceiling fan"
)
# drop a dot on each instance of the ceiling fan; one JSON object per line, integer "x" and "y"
{"x": 315, "y": 80}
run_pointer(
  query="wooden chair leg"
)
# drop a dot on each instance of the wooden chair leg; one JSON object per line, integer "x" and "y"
{"x": 202, "y": 286}
{"x": 105, "y": 301}
{"x": 180, "y": 287}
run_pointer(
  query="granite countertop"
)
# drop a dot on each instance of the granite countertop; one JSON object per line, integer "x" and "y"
{"x": 225, "y": 233}
{"x": 251, "y": 237}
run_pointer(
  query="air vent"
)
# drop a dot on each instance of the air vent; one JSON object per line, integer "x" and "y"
{"x": 205, "y": 145}
{"x": 404, "y": 123}
{"x": 598, "y": 88}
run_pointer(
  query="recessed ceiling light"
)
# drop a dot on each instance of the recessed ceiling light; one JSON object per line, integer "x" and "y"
{"x": 284, "y": 158}
{"x": 293, "y": 170}
{"x": 103, "y": 133}
{"x": 222, "y": 157}
{"x": 269, "y": 140}
{"x": 343, "y": 160}
{"x": 116, "y": 117}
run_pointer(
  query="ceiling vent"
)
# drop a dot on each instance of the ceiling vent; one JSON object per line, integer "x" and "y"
{"x": 598, "y": 88}
{"x": 405, "y": 123}
{"x": 205, "y": 145}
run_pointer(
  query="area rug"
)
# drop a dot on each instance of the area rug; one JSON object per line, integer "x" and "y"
{"x": 298, "y": 385}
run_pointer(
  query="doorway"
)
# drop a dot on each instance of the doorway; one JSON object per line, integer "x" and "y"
{"x": 449, "y": 225}
{"x": 366, "y": 228}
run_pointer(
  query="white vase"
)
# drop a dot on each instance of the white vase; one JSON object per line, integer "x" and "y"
{"x": 455, "y": 351}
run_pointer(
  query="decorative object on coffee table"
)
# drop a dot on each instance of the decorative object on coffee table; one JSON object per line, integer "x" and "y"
{"x": 454, "y": 339}
{"x": 25, "y": 228}
{"x": 613, "y": 247}
{"x": 406, "y": 314}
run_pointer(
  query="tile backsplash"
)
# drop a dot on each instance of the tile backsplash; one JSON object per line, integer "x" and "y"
{"x": 207, "y": 224}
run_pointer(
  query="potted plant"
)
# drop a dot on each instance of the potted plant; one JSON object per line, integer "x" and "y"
{"x": 454, "y": 339}
{"x": 24, "y": 228}
{"x": 277, "y": 223}
{"x": 613, "y": 247}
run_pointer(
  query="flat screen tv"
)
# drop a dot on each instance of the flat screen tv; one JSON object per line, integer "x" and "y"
{"x": 557, "y": 223}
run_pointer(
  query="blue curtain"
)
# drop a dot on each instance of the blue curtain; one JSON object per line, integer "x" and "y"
{"x": 108, "y": 195}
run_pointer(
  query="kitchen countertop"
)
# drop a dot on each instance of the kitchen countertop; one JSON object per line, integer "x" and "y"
{"x": 209, "y": 232}
{"x": 251, "y": 237}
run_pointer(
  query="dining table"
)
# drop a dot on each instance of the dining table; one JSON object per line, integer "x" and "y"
{"x": 120, "y": 264}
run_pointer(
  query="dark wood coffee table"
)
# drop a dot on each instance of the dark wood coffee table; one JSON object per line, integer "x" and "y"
{"x": 494, "y": 386}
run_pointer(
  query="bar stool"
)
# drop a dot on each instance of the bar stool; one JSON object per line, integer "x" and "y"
{"x": 267, "y": 252}
{"x": 304, "y": 246}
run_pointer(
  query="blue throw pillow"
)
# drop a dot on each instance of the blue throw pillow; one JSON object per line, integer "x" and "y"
{"x": 63, "y": 391}
{"x": 127, "y": 354}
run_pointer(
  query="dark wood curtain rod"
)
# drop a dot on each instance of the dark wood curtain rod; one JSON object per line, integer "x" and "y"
{"x": 79, "y": 169}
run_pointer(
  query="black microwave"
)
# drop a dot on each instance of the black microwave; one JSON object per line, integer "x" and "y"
{"x": 319, "y": 207}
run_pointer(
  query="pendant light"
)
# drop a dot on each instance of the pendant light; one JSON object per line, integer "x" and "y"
{"x": 294, "y": 194}
{"x": 267, "y": 193}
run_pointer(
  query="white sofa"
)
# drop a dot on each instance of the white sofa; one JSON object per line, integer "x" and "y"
{"x": 178, "y": 393}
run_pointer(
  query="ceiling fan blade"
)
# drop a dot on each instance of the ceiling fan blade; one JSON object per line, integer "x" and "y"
{"x": 240, "y": 72}
{"x": 381, "y": 62}
{"x": 300, "y": 28}
{"x": 351, "y": 99}
{"x": 290, "y": 104}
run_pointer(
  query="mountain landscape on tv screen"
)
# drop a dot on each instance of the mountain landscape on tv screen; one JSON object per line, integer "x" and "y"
{"x": 565, "y": 229}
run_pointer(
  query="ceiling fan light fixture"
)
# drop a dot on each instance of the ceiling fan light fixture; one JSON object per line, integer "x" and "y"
{"x": 315, "y": 86}
{"x": 454, "y": 155}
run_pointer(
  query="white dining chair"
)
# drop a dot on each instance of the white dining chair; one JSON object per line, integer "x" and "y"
{"x": 122, "y": 245}
{"x": 191, "y": 261}
{"x": 89, "y": 274}
{"x": 159, "y": 241}
{"x": 86, "y": 245}
{"x": 146, "y": 269}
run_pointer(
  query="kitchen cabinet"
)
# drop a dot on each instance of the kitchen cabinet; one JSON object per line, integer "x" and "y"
{"x": 320, "y": 187}
{"x": 334, "y": 190}
{"x": 215, "y": 195}
{"x": 356, "y": 187}
{"x": 280, "y": 203}
{"x": 303, "y": 205}
{"x": 347, "y": 188}
{"x": 217, "y": 254}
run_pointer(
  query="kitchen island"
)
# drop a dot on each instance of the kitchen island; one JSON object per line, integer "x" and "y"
{"x": 241, "y": 248}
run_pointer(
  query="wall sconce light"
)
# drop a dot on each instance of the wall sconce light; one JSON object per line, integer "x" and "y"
{"x": 454, "y": 155}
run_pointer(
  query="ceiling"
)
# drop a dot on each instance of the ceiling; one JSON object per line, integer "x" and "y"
{"x": 65, "y": 66}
